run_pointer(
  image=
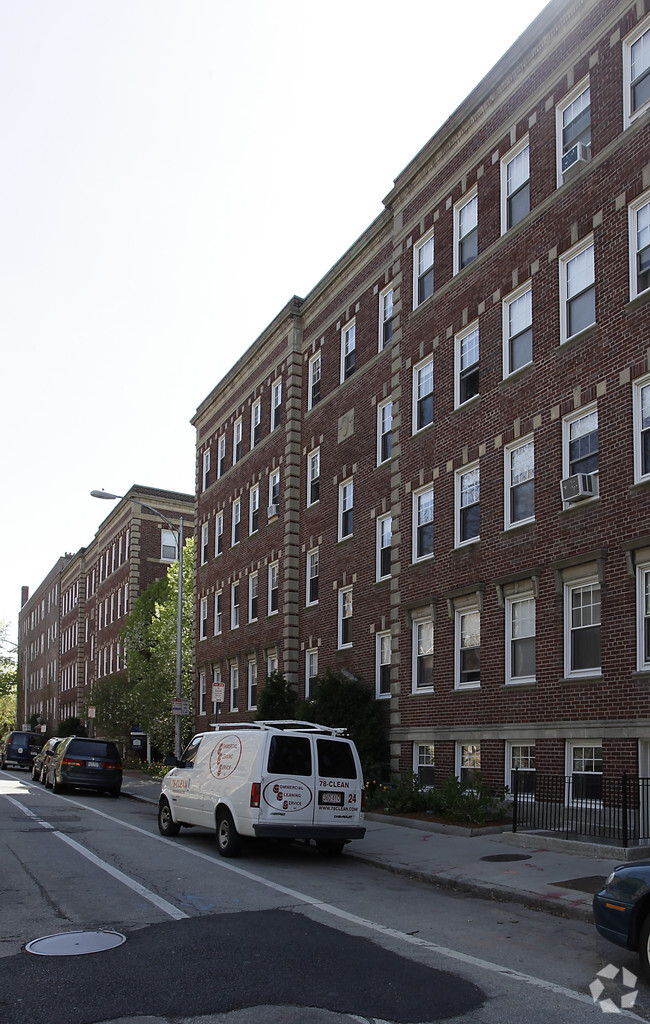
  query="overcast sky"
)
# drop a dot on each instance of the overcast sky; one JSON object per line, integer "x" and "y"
{"x": 172, "y": 173}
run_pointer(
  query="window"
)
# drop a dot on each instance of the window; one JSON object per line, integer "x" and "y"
{"x": 422, "y": 654}
{"x": 256, "y": 416}
{"x": 382, "y": 663}
{"x": 204, "y": 542}
{"x": 313, "y": 476}
{"x": 586, "y": 769}
{"x": 642, "y": 430}
{"x": 466, "y": 231}
{"x": 519, "y": 474}
{"x": 254, "y": 509}
{"x": 636, "y": 72}
{"x": 577, "y": 290}
{"x": 204, "y": 619}
{"x": 312, "y": 576}
{"x": 573, "y": 129}
{"x": 234, "y": 686}
{"x": 582, "y": 628}
{"x": 206, "y": 470}
{"x": 346, "y": 501}
{"x": 274, "y": 587}
{"x": 520, "y": 757}
{"x": 423, "y": 270}
{"x": 276, "y": 404}
{"x": 385, "y": 316}
{"x": 466, "y": 359}
{"x": 271, "y": 662}
{"x": 384, "y": 537}
{"x": 252, "y": 596}
{"x": 203, "y": 686}
{"x": 234, "y": 605}
{"x": 168, "y": 551}
{"x": 639, "y": 215}
{"x": 314, "y": 381}
{"x": 348, "y": 345}
{"x": 468, "y": 648}
{"x": 468, "y": 492}
{"x": 252, "y": 684}
{"x": 236, "y": 441}
{"x": 643, "y": 617}
{"x": 515, "y": 186}
{"x": 423, "y": 524}
{"x": 520, "y": 639}
{"x": 422, "y": 395}
{"x": 221, "y": 457}
{"x": 423, "y": 762}
{"x": 311, "y": 670}
{"x": 274, "y": 493}
{"x": 218, "y": 533}
{"x": 468, "y": 763}
{"x": 518, "y": 330}
{"x": 580, "y": 445}
{"x": 218, "y": 615}
{"x": 345, "y": 617}
{"x": 384, "y": 431}
{"x": 236, "y": 521}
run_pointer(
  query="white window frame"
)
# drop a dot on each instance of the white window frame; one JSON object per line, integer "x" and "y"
{"x": 221, "y": 456}
{"x": 470, "y": 335}
{"x": 381, "y": 522}
{"x": 205, "y": 540}
{"x": 218, "y": 534}
{"x": 274, "y": 476}
{"x": 164, "y": 543}
{"x": 419, "y": 623}
{"x": 640, "y": 386}
{"x": 315, "y": 364}
{"x": 424, "y": 756}
{"x": 313, "y": 460}
{"x": 235, "y": 522}
{"x": 642, "y": 616}
{"x": 205, "y": 483}
{"x": 508, "y": 303}
{"x": 235, "y": 605}
{"x": 460, "y": 474}
{"x": 569, "y": 588}
{"x": 417, "y": 523}
{"x": 253, "y": 508}
{"x": 218, "y": 612}
{"x": 419, "y": 272}
{"x": 642, "y": 203}
{"x": 203, "y": 619}
{"x": 417, "y": 397}
{"x": 345, "y": 605}
{"x": 629, "y": 115}
{"x": 313, "y": 557}
{"x": 272, "y": 662}
{"x": 470, "y": 198}
{"x": 509, "y": 482}
{"x": 467, "y": 752}
{"x": 251, "y": 678}
{"x": 237, "y": 440}
{"x": 570, "y": 748}
{"x": 346, "y": 504}
{"x": 565, "y": 259}
{"x": 273, "y": 576}
{"x": 564, "y": 104}
{"x": 528, "y": 792}
{"x": 276, "y": 404}
{"x": 348, "y": 346}
{"x": 386, "y": 315}
{"x": 567, "y": 423}
{"x": 256, "y": 421}
{"x": 203, "y": 687}
{"x": 234, "y": 687}
{"x": 383, "y": 659}
{"x": 460, "y": 613}
{"x": 310, "y": 654}
{"x": 384, "y": 407}
{"x": 511, "y": 602}
{"x": 253, "y": 595}
{"x": 510, "y": 156}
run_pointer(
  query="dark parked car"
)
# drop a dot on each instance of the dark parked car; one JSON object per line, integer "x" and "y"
{"x": 19, "y": 749}
{"x": 85, "y": 763}
{"x": 43, "y": 758}
{"x": 622, "y": 909}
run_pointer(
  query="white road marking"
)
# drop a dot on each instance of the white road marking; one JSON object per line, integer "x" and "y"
{"x": 344, "y": 915}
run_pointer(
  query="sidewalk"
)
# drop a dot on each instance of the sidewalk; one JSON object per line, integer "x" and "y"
{"x": 535, "y": 871}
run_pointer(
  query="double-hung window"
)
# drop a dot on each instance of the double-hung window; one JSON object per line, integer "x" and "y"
{"x": 520, "y": 638}
{"x": 423, "y": 523}
{"x": 422, "y": 677}
{"x": 636, "y": 72}
{"x": 252, "y": 684}
{"x": 468, "y": 647}
{"x": 218, "y": 534}
{"x": 273, "y": 588}
{"x": 515, "y": 186}
{"x": 466, "y": 359}
{"x": 585, "y": 766}
{"x": 346, "y": 506}
{"x": 422, "y": 394}
{"x": 580, "y": 445}
{"x": 206, "y": 471}
{"x": 384, "y": 431}
{"x": 234, "y": 606}
{"x": 385, "y": 316}
{"x": 423, "y": 270}
{"x": 236, "y": 441}
{"x": 582, "y": 628}
{"x": 348, "y": 347}
{"x": 253, "y": 581}
{"x": 203, "y": 687}
{"x": 314, "y": 380}
{"x": 573, "y": 130}
{"x": 312, "y": 576}
{"x": 256, "y": 416}
{"x": 423, "y": 763}
{"x": 643, "y": 617}
{"x": 254, "y": 509}
{"x": 577, "y": 290}
{"x": 345, "y": 617}
{"x": 311, "y": 670}
{"x": 274, "y": 493}
{"x": 468, "y": 509}
{"x": 639, "y": 214}
{"x": 276, "y": 404}
{"x": 313, "y": 476}
{"x": 168, "y": 547}
{"x": 382, "y": 664}
{"x": 221, "y": 456}
{"x": 519, "y": 472}
{"x": 203, "y": 619}
{"x": 384, "y": 538}
{"x": 236, "y": 521}
{"x": 466, "y": 231}
{"x": 642, "y": 430}
{"x": 204, "y": 542}
{"x": 468, "y": 763}
{"x": 218, "y": 613}
{"x": 520, "y": 758}
{"x": 518, "y": 330}
{"x": 234, "y": 686}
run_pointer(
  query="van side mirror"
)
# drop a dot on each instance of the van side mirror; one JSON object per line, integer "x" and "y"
{"x": 171, "y": 762}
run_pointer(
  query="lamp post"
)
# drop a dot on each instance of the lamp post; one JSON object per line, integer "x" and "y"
{"x": 106, "y": 495}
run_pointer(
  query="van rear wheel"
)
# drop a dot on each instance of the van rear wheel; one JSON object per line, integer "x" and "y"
{"x": 228, "y": 838}
{"x": 329, "y": 847}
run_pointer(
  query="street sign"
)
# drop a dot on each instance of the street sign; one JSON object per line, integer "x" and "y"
{"x": 218, "y": 693}
{"x": 180, "y": 706}
{"x": 91, "y": 712}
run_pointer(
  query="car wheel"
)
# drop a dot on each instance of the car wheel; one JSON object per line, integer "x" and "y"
{"x": 166, "y": 824}
{"x": 57, "y": 787}
{"x": 644, "y": 947}
{"x": 113, "y": 792}
{"x": 329, "y": 847}
{"x": 228, "y": 838}
{"x": 35, "y": 774}
{"x": 42, "y": 778}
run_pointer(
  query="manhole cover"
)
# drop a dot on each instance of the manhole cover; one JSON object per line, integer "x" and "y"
{"x": 500, "y": 858}
{"x": 75, "y": 943}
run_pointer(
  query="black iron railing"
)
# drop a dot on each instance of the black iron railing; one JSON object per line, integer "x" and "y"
{"x": 586, "y": 804}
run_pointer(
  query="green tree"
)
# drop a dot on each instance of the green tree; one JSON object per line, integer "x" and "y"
{"x": 8, "y": 681}
{"x": 276, "y": 700}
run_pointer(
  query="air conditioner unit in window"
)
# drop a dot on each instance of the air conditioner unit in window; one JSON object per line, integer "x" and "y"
{"x": 272, "y": 511}
{"x": 577, "y": 487}
{"x": 578, "y": 154}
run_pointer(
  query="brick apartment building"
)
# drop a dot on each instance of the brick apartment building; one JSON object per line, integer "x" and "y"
{"x": 434, "y": 470}
{"x": 69, "y": 629}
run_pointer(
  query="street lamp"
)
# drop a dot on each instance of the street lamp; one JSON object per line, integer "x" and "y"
{"x": 179, "y": 616}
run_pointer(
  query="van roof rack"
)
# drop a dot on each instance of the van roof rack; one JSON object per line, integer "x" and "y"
{"x": 293, "y": 724}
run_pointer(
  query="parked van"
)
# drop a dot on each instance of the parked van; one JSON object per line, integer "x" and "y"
{"x": 280, "y": 780}
{"x": 20, "y": 748}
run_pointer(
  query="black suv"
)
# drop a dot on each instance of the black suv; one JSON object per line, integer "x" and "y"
{"x": 20, "y": 748}
{"x": 80, "y": 762}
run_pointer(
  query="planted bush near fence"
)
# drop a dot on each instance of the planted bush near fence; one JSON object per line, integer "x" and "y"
{"x": 455, "y": 800}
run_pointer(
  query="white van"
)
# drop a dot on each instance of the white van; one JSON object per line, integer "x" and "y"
{"x": 280, "y": 780}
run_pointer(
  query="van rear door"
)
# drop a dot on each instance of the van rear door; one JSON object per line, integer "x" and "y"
{"x": 339, "y": 782}
{"x": 287, "y": 789}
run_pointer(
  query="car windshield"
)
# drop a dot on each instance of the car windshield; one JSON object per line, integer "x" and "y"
{"x": 94, "y": 748}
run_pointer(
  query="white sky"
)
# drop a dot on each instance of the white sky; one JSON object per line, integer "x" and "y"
{"x": 172, "y": 173}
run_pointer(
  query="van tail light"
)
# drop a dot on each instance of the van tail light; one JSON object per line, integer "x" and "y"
{"x": 363, "y": 799}
{"x": 255, "y": 794}
{"x": 68, "y": 762}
